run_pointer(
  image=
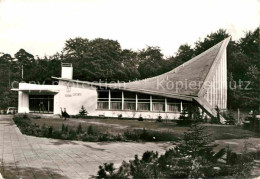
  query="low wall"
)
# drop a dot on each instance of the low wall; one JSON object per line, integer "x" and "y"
{"x": 136, "y": 114}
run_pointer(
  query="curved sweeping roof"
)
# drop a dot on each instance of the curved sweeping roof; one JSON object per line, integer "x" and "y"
{"x": 184, "y": 81}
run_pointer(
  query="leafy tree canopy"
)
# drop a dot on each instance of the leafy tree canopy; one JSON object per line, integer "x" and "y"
{"x": 104, "y": 59}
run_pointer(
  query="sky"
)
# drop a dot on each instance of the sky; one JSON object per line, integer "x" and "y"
{"x": 41, "y": 27}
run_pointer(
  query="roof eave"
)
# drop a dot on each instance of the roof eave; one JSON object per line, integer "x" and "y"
{"x": 113, "y": 86}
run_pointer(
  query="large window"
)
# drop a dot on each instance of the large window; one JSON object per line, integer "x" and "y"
{"x": 143, "y": 102}
{"x": 41, "y": 103}
{"x": 173, "y": 105}
{"x": 116, "y": 100}
{"x": 103, "y": 96}
{"x": 158, "y": 103}
{"x": 129, "y": 101}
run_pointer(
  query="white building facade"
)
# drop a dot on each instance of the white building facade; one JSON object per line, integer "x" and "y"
{"x": 201, "y": 81}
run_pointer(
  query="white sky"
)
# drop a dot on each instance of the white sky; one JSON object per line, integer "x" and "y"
{"x": 42, "y": 26}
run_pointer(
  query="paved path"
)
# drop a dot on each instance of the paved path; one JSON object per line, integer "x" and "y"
{"x": 24, "y": 156}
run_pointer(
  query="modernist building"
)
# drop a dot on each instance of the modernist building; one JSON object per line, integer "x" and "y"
{"x": 201, "y": 81}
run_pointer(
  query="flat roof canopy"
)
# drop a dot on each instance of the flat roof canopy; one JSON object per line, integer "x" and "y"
{"x": 38, "y": 91}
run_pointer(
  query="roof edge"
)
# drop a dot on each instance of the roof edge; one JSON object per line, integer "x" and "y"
{"x": 176, "y": 69}
{"x": 119, "y": 87}
{"x": 217, "y": 58}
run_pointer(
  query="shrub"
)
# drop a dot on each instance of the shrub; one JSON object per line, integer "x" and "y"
{"x": 159, "y": 119}
{"x": 120, "y": 116}
{"x": 57, "y": 134}
{"x": 103, "y": 137}
{"x": 193, "y": 157}
{"x": 72, "y": 135}
{"x": 44, "y": 130}
{"x": 50, "y": 130}
{"x": 63, "y": 128}
{"x": 83, "y": 112}
{"x": 131, "y": 135}
{"x": 89, "y": 138}
{"x": 25, "y": 116}
{"x": 216, "y": 120}
{"x": 66, "y": 129}
{"x": 184, "y": 115}
{"x": 145, "y": 167}
{"x": 244, "y": 164}
{"x": 185, "y": 122}
{"x": 118, "y": 138}
{"x": 230, "y": 120}
{"x": 185, "y": 119}
{"x": 150, "y": 136}
{"x": 140, "y": 118}
{"x": 90, "y": 130}
{"x": 254, "y": 124}
{"x": 79, "y": 128}
{"x": 43, "y": 127}
{"x": 107, "y": 171}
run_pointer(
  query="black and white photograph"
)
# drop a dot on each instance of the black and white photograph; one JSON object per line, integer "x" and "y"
{"x": 129, "y": 89}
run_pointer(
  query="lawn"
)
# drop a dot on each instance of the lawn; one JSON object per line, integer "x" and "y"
{"x": 116, "y": 126}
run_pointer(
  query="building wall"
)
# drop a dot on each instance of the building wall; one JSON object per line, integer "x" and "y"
{"x": 23, "y": 97}
{"x": 216, "y": 93}
{"x": 72, "y": 96}
{"x": 137, "y": 114}
{"x": 23, "y": 102}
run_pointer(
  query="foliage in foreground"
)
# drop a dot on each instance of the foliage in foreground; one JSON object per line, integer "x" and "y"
{"x": 28, "y": 127}
{"x": 193, "y": 157}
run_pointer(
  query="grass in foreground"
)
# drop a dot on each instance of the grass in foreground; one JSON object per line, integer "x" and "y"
{"x": 73, "y": 130}
{"x": 116, "y": 126}
{"x": 121, "y": 127}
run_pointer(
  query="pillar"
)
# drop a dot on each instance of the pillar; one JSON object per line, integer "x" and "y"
{"x": 123, "y": 100}
{"x": 109, "y": 99}
{"x": 151, "y": 103}
{"x": 136, "y": 102}
{"x": 166, "y": 107}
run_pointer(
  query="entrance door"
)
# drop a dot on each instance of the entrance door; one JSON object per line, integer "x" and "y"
{"x": 41, "y": 103}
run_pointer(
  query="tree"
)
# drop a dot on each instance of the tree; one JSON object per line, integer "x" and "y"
{"x": 196, "y": 142}
{"x": 192, "y": 157}
{"x": 83, "y": 111}
{"x": 210, "y": 40}
{"x": 75, "y": 48}
{"x": 8, "y": 73}
{"x": 250, "y": 94}
{"x": 24, "y": 57}
{"x": 99, "y": 58}
{"x": 5, "y": 58}
{"x": 250, "y": 46}
{"x": 25, "y": 62}
{"x": 130, "y": 64}
{"x": 184, "y": 53}
{"x": 151, "y": 62}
